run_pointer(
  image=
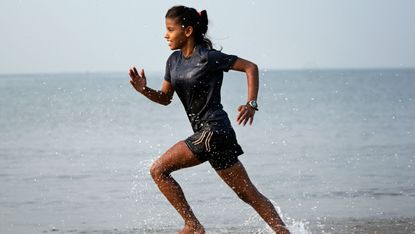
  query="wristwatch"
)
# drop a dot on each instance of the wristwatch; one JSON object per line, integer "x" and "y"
{"x": 253, "y": 104}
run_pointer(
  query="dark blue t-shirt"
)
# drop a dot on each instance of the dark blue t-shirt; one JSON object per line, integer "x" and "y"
{"x": 197, "y": 80}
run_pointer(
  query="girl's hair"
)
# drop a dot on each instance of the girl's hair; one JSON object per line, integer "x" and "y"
{"x": 187, "y": 16}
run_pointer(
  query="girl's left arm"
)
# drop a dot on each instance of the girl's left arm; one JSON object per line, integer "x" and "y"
{"x": 247, "y": 112}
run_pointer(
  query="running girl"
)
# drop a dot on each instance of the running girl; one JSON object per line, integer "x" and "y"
{"x": 195, "y": 72}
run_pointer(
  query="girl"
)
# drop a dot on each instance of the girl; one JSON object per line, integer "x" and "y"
{"x": 195, "y": 72}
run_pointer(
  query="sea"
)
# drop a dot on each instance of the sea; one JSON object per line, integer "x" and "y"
{"x": 334, "y": 150}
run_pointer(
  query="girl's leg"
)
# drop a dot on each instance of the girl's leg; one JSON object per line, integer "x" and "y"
{"x": 177, "y": 157}
{"x": 237, "y": 178}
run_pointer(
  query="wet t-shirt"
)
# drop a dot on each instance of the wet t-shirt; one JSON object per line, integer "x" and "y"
{"x": 197, "y": 80}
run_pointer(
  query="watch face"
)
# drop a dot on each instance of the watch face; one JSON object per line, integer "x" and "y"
{"x": 253, "y": 104}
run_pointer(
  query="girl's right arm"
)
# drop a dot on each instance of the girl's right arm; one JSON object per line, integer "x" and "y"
{"x": 139, "y": 82}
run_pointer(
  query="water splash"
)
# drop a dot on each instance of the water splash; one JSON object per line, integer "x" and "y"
{"x": 147, "y": 199}
{"x": 295, "y": 226}
{"x": 147, "y": 203}
{"x": 139, "y": 180}
{"x": 298, "y": 227}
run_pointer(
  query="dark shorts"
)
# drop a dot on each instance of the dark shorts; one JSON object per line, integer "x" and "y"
{"x": 219, "y": 147}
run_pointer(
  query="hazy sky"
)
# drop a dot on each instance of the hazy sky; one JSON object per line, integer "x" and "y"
{"x": 102, "y": 36}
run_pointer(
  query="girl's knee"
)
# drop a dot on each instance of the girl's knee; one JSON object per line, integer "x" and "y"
{"x": 157, "y": 171}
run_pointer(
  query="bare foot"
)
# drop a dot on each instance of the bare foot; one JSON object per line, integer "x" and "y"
{"x": 193, "y": 229}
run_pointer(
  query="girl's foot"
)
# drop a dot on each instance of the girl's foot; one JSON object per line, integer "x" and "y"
{"x": 192, "y": 229}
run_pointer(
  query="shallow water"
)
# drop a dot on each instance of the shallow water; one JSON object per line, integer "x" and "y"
{"x": 334, "y": 150}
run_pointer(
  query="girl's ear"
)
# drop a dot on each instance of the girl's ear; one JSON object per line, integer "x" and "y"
{"x": 188, "y": 31}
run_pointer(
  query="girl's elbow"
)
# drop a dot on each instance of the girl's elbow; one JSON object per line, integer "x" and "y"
{"x": 253, "y": 68}
{"x": 167, "y": 101}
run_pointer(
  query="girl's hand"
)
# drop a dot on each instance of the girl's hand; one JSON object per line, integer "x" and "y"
{"x": 138, "y": 81}
{"x": 246, "y": 113}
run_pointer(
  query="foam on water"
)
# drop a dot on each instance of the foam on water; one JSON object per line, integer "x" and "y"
{"x": 295, "y": 227}
{"x": 298, "y": 227}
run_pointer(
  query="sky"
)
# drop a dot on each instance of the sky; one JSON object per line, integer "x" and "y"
{"x": 58, "y": 36}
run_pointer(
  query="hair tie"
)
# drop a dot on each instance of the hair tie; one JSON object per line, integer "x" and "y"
{"x": 200, "y": 13}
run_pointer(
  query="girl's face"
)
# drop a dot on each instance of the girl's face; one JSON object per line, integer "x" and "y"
{"x": 176, "y": 35}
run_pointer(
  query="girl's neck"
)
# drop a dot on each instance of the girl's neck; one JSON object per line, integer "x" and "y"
{"x": 188, "y": 49}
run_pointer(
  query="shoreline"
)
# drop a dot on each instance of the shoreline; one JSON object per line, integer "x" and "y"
{"x": 396, "y": 225}
{"x": 367, "y": 225}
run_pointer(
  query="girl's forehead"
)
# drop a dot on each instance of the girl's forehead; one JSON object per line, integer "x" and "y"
{"x": 172, "y": 22}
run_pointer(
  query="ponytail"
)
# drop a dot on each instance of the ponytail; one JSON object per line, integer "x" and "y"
{"x": 201, "y": 33}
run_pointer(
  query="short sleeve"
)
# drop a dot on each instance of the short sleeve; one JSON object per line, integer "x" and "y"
{"x": 169, "y": 64}
{"x": 167, "y": 76}
{"x": 220, "y": 61}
